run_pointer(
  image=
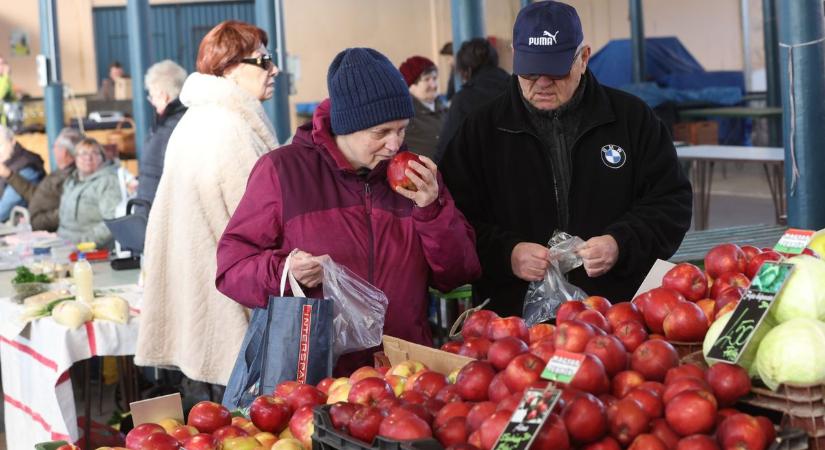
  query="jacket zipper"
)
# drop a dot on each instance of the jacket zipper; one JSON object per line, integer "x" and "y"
{"x": 368, "y": 201}
{"x": 549, "y": 161}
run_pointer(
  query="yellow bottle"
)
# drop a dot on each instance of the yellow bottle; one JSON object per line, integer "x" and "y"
{"x": 83, "y": 279}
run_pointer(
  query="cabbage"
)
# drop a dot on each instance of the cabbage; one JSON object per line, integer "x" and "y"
{"x": 793, "y": 353}
{"x": 804, "y": 292}
{"x": 746, "y": 360}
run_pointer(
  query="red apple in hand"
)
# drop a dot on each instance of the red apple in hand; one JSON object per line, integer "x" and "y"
{"x": 688, "y": 280}
{"x": 270, "y": 413}
{"x": 477, "y": 323}
{"x": 724, "y": 258}
{"x": 208, "y": 416}
{"x": 396, "y": 171}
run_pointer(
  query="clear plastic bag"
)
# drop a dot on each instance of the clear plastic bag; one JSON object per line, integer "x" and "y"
{"x": 544, "y": 297}
{"x": 359, "y": 309}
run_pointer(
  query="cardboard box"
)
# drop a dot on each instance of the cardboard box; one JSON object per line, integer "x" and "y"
{"x": 697, "y": 133}
{"x": 398, "y": 350}
{"x": 654, "y": 277}
{"x": 123, "y": 89}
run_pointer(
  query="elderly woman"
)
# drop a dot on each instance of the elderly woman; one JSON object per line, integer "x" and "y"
{"x": 185, "y": 322}
{"x": 327, "y": 194}
{"x": 164, "y": 81}
{"x": 421, "y": 76}
{"x": 15, "y": 160}
{"x": 43, "y": 198}
{"x": 90, "y": 195}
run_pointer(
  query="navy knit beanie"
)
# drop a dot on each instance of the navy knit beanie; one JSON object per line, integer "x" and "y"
{"x": 365, "y": 90}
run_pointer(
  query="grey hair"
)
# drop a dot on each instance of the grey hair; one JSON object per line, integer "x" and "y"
{"x": 165, "y": 76}
{"x": 68, "y": 139}
{"x": 6, "y": 134}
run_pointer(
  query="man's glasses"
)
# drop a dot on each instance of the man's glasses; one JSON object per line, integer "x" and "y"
{"x": 264, "y": 61}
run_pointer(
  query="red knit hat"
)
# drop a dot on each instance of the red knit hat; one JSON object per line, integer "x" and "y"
{"x": 413, "y": 67}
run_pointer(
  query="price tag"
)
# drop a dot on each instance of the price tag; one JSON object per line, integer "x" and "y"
{"x": 533, "y": 410}
{"x": 750, "y": 312}
{"x": 794, "y": 241}
{"x": 563, "y": 366}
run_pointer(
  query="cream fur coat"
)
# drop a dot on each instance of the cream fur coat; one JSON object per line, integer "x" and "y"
{"x": 184, "y": 321}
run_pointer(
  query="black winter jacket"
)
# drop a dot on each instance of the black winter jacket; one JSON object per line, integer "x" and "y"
{"x": 626, "y": 182}
{"x": 151, "y": 161}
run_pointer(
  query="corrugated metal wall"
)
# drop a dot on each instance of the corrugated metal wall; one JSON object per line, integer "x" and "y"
{"x": 176, "y": 30}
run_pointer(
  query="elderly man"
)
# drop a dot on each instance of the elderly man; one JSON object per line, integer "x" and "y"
{"x": 44, "y": 198}
{"x": 559, "y": 151}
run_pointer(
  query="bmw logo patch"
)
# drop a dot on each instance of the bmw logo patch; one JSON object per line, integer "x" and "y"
{"x": 613, "y": 156}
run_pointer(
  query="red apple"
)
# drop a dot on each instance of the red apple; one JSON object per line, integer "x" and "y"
{"x": 208, "y": 416}
{"x": 686, "y": 323}
{"x": 452, "y": 346}
{"x": 741, "y": 432}
{"x": 229, "y": 431}
{"x": 750, "y": 251}
{"x": 697, "y": 442}
{"x": 473, "y": 380}
{"x": 284, "y": 388}
{"x": 159, "y": 441}
{"x": 688, "y": 280}
{"x": 597, "y": 303}
{"x": 625, "y": 381}
{"x": 647, "y": 442}
{"x": 659, "y": 304}
{"x": 201, "y": 441}
{"x": 631, "y": 334}
{"x": 479, "y": 413}
{"x": 448, "y": 394}
{"x": 475, "y": 347}
{"x": 454, "y": 432}
{"x": 731, "y": 294}
{"x": 305, "y": 394}
{"x": 654, "y": 387}
{"x": 628, "y": 421}
{"x": 680, "y": 385}
{"x": 429, "y": 383}
{"x": 653, "y": 359}
{"x": 270, "y": 413}
{"x": 610, "y": 351}
{"x": 138, "y": 434}
{"x": 727, "y": 308}
{"x": 573, "y": 335}
{"x": 508, "y": 326}
{"x": 650, "y": 403}
{"x": 362, "y": 373}
{"x": 433, "y": 406}
{"x": 396, "y": 171}
{"x": 553, "y": 435}
{"x": 729, "y": 382}
{"x": 724, "y": 258}
{"x": 585, "y": 419}
{"x": 595, "y": 319}
{"x": 449, "y": 411}
{"x": 684, "y": 371}
{"x": 301, "y": 426}
{"x": 492, "y": 427}
{"x": 474, "y": 440}
{"x": 341, "y": 413}
{"x": 568, "y": 310}
{"x": 727, "y": 280}
{"x": 691, "y": 412}
{"x": 768, "y": 429}
{"x": 607, "y": 443}
{"x": 498, "y": 390}
{"x": 756, "y": 262}
{"x": 369, "y": 391}
{"x": 540, "y": 332}
{"x": 413, "y": 397}
{"x": 660, "y": 429}
{"x": 477, "y": 323}
{"x": 708, "y": 306}
{"x": 183, "y": 432}
{"x": 591, "y": 376}
{"x": 623, "y": 312}
{"x": 543, "y": 349}
{"x": 365, "y": 423}
{"x": 522, "y": 371}
{"x": 503, "y": 350}
{"x": 416, "y": 409}
{"x": 510, "y": 403}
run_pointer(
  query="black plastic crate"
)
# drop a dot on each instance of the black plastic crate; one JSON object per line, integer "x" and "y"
{"x": 326, "y": 437}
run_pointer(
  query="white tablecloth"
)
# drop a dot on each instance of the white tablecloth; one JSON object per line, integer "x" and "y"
{"x": 37, "y": 391}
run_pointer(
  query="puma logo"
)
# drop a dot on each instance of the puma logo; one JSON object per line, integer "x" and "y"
{"x": 547, "y": 38}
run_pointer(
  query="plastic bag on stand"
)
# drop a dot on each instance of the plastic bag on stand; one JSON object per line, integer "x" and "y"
{"x": 544, "y": 297}
{"x": 359, "y": 309}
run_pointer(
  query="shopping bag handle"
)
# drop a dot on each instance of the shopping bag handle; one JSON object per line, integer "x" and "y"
{"x": 293, "y": 283}
{"x": 461, "y": 318}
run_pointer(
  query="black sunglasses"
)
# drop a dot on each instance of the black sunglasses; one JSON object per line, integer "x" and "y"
{"x": 264, "y": 62}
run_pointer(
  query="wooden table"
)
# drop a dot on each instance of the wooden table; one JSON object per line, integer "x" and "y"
{"x": 704, "y": 157}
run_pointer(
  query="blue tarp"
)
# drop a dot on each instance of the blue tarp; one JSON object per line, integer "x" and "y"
{"x": 613, "y": 64}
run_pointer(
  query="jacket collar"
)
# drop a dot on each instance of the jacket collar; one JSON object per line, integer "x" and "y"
{"x": 174, "y": 107}
{"x": 513, "y": 117}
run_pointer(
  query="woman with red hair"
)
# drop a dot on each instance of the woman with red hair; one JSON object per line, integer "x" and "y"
{"x": 185, "y": 322}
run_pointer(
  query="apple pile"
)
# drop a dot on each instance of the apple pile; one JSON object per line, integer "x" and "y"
{"x": 631, "y": 390}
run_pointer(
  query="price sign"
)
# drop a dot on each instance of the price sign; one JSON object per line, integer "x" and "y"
{"x": 794, "y": 241}
{"x": 750, "y": 312}
{"x": 533, "y": 410}
{"x": 563, "y": 366}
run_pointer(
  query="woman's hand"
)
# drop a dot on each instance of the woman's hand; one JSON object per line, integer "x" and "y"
{"x": 307, "y": 269}
{"x": 424, "y": 178}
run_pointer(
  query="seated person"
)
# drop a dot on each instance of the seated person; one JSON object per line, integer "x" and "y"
{"x": 44, "y": 198}
{"x": 17, "y": 159}
{"x": 107, "y": 86}
{"x": 90, "y": 195}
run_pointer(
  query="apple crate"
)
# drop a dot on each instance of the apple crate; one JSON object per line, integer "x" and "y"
{"x": 695, "y": 357}
{"x": 806, "y": 401}
{"x": 326, "y": 437}
{"x": 814, "y": 427}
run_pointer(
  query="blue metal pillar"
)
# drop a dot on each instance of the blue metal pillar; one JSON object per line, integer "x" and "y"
{"x": 637, "y": 40}
{"x": 51, "y": 81}
{"x": 468, "y": 23}
{"x": 525, "y": 3}
{"x": 774, "y": 95}
{"x": 802, "y": 69}
{"x": 137, "y": 25}
{"x": 269, "y": 15}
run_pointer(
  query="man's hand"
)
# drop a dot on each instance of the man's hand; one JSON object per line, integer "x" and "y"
{"x": 307, "y": 269}
{"x": 530, "y": 261}
{"x": 599, "y": 254}
{"x": 4, "y": 171}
